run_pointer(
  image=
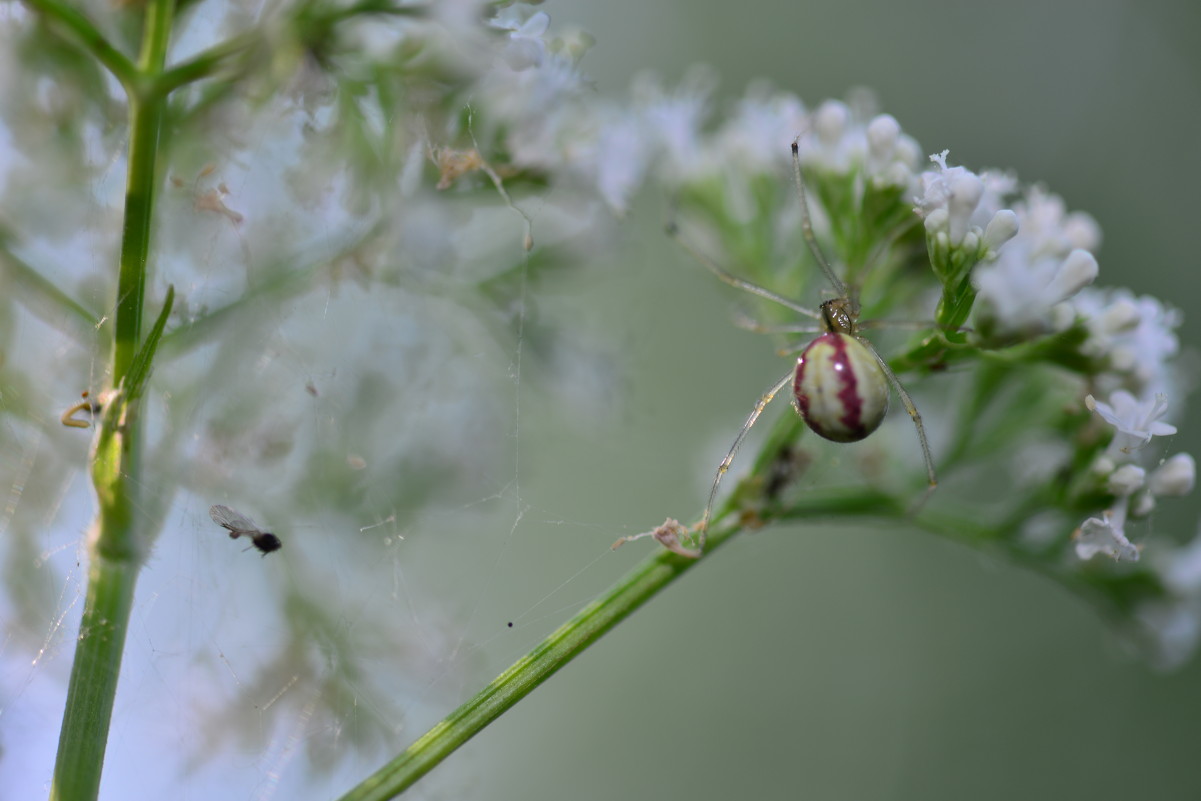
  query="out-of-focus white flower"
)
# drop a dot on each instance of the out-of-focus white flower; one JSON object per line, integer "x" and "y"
{"x": 757, "y": 136}
{"x": 1107, "y": 535}
{"x": 1136, "y": 335}
{"x": 1136, "y": 421}
{"x": 1180, "y": 568}
{"x": 1175, "y": 628}
{"x": 1127, "y": 480}
{"x": 620, "y": 159}
{"x": 1052, "y": 230}
{"x": 1176, "y": 476}
{"x": 673, "y": 121}
{"x": 526, "y": 45}
{"x": 1176, "y": 621}
{"x": 1018, "y": 292}
{"x": 1003, "y": 226}
{"x": 842, "y": 139}
{"x": 1047, "y": 262}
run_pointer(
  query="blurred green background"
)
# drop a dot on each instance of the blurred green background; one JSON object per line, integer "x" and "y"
{"x": 827, "y": 663}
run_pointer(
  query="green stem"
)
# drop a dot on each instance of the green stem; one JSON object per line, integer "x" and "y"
{"x": 116, "y": 545}
{"x": 207, "y": 63}
{"x": 94, "y": 674}
{"x": 89, "y": 37}
{"x": 638, "y": 586}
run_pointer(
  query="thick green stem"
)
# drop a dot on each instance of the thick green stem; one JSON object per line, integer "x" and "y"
{"x": 145, "y": 125}
{"x": 117, "y": 545}
{"x": 94, "y": 675}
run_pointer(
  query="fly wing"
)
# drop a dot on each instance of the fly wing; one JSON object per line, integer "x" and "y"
{"x": 230, "y": 519}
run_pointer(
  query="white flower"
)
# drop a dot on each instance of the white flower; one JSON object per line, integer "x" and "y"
{"x": 618, "y": 159}
{"x": 1136, "y": 421}
{"x": 1180, "y": 568}
{"x": 757, "y": 136}
{"x": 1106, "y": 535}
{"x": 1045, "y": 264}
{"x": 673, "y": 123}
{"x": 1127, "y": 480}
{"x": 1176, "y": 476}
{"x": 526, "y": 47}
{"x": 959, "y": 205}
{"x": 1003, "y": 226}
{"x": 1136, "y": 335}
{"x": 1019, "y": 292}
{"x": 843, "y": 138}
{"x": 1051, "y": 229}
{"x": 1175, "y": 627}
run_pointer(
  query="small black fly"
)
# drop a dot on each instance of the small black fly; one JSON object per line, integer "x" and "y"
{"x": 238, "y": 525}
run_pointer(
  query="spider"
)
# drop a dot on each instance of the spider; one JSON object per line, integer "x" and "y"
{"x": 840, "y": 382}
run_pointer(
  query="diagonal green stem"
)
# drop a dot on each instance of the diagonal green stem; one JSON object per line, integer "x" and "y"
{"x": 89, "y": 37}
{"x": 568, "y": 641}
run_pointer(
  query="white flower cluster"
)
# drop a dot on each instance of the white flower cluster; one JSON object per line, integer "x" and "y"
{"x": 963, "y": 210}
{"x": 1033, "y": 278}
{"x": 555, "y": 123}
{"x": 1024, "y": 288}
{"x": 846, "y": 138}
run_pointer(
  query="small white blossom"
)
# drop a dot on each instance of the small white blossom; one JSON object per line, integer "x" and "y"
{"x": 1127, "y": 480}
{"x": 843, "y": 138}
{"x": 957, "y": 203}
{"x": 757, "y": 135}
{"x": 1144, "y": 504}
{"x": 1180, "y": 568}
{"x": 673, "y": 121}
{"x": 1175, "y": 626}
{"x": 1136, "y": 421}
{"x": 1019, "y": 292}
{"x": 1051, "y": 229}
{"x": 1106, "y": 535}
{"x": 1176, "y": 476}
{"x": 1176, "y": 621}
{"x": 1046, "y": 263}
{"x": 619, "y": 159}
{"x": 526, "y": 46}
{"x": 1001, "y": 228}
{"x": 1135, "y": 335}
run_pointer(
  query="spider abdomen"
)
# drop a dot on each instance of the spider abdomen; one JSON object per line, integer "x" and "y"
{"x": 839, "y": 388}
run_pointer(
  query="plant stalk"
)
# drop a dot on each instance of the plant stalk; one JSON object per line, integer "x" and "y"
{"x": 116, "y": 544}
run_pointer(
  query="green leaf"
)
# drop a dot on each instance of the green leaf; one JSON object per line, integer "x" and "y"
{"x": 139, "y": 371}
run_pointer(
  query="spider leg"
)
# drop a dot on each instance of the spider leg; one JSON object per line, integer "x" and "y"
{"x": 807, "y": 224}
{"x": 760, "y": 405}
{"x": 673, "y": 231}
{"x": 913, "y": 415}
{"x": 750, "y": 324}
